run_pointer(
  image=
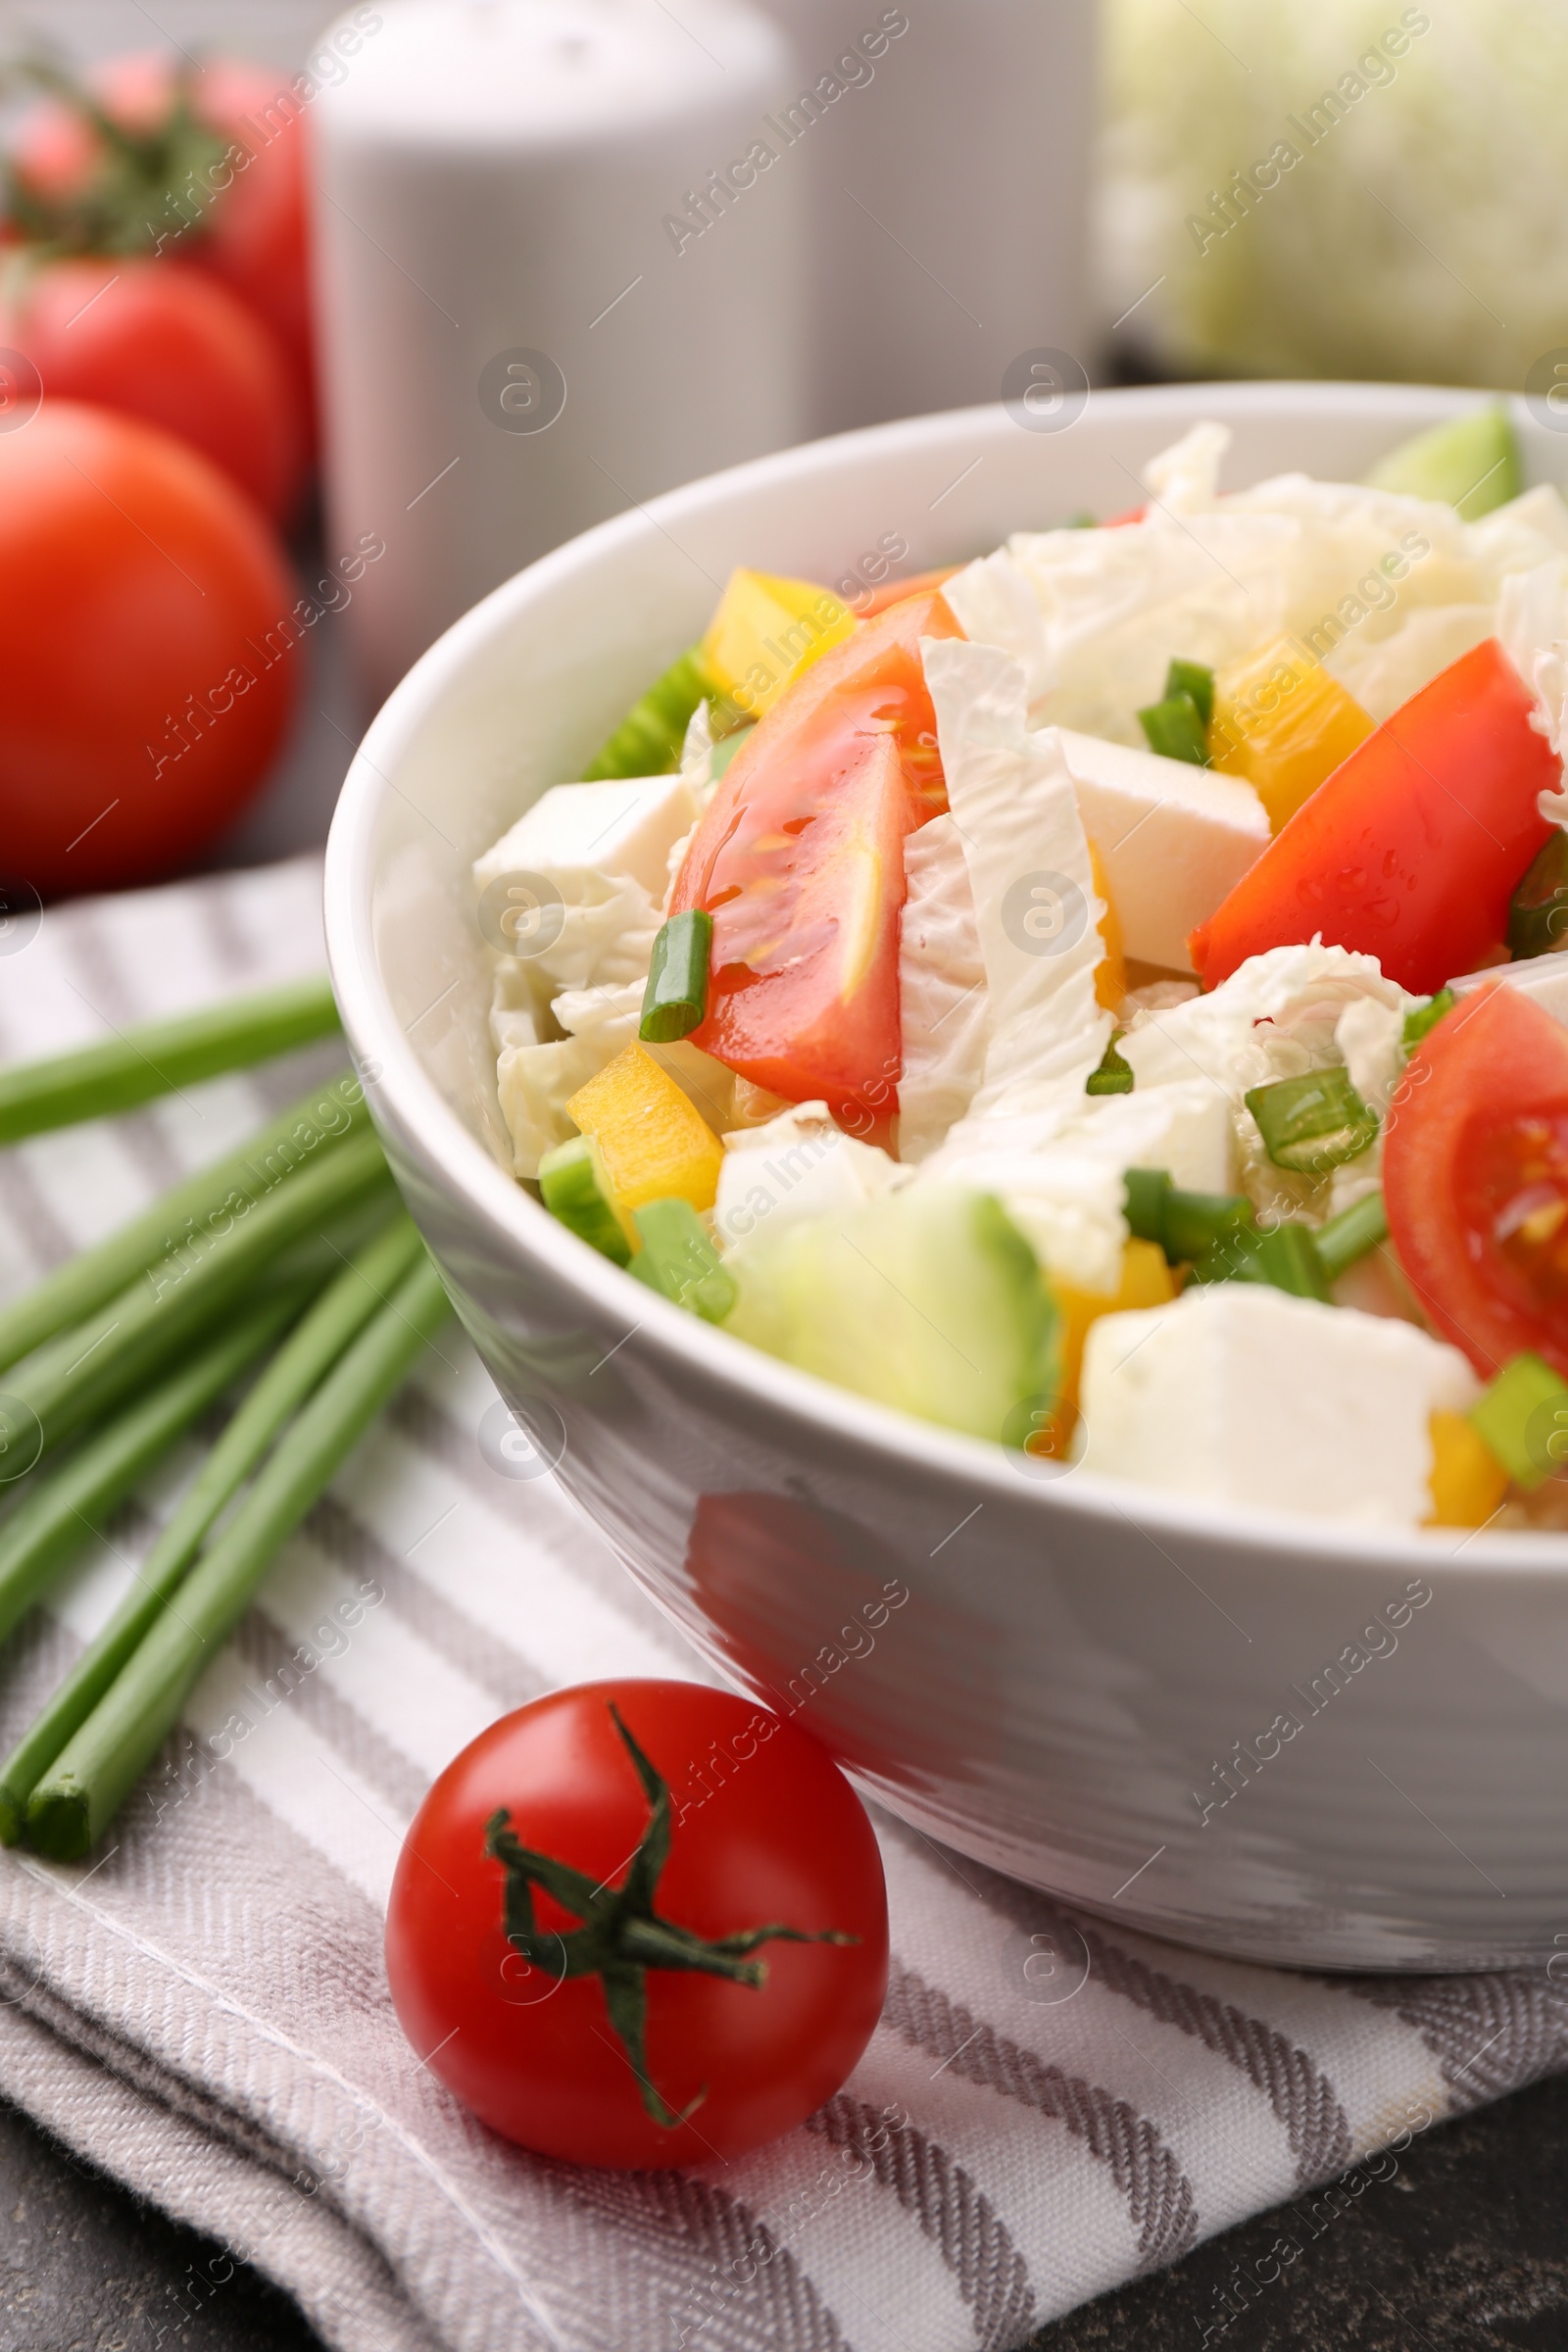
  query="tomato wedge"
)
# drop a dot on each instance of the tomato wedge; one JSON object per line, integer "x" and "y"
{"x": 1475, "y": 1175}
{"x": 1412, "y": 849}
{"x": 799, "y": 861}
{"x": 894, "y": 592}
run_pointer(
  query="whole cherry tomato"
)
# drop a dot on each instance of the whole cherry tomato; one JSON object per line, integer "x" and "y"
{"x": 218, "y": 184}
{"x": 1475, "y": 1175}
{"x": 640, "y": 1922}
{"x": 174, "y": 348}
{"x": 147, "y": 617}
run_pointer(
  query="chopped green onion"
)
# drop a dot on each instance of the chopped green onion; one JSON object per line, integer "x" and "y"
{"x": 159, "y": 1057}
{"x": 1114, "y": 1076}
{"x": 320, "y": 1119}
{"x": 1523, "y": 1416}
{"x": 1351, "y": 1234}
{"x": 55, "y": 1516}
{"x": 1537, "y": 918}
{"x": 1425, "y": 1017}
{"x": 676, "y": 996}
{"x": 299, "y": 1366}
{"x": 1285, "y": 1256}
{"x": 574, "y": 1188}
{"x": 647, "y": 741}
{"x": 1192, "y": 679}
{"x": 77, "y": 1798}
{"x": 1313, "y": 1123}
{"x": 1186, "y": 1225}
{"x": 1083, "y": 521}
{"x": 86, "y": 1369}
{"x": 679, "y": 1261}
{"x": 1175, "y": 729}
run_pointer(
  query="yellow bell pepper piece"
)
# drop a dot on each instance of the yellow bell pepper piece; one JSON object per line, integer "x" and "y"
{"x": 1281, "y": 721}
{"x": 1145, "y": 1281}
{"x": 1111, "y": 972}
{"x": 766, "y": 631}
{"x": 1468, "y": 1482}
{"x": 652, "y": 1143}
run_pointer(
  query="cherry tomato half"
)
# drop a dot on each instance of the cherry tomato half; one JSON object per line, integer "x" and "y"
{"x": 765, "y": 1833}
{"x": 148, "y": 669}
{"x": 1475, "y": 1175}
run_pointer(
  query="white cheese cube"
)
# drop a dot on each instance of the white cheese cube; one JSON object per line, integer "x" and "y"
{"x": 1542, "y": 977}
{"x": 797, "y": 1166}
{"x": 1185, "y": 1128}
{"x": 1173, "y": 840}
{"x": 1240, "y": 1393}
{"x": 627, "y": 827}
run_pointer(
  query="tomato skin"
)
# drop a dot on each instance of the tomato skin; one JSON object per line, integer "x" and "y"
{"x": 138, "y": 589}
{"x": 253, "y": 236}
{"x": 1493, "y": 1067}
{"x": 895, "y": 592}
{"x": 782, "y": 1838}
{"x": 1413, "y": 847}
{"x": 175, "y": 349}
{"x": 799, "y": 861}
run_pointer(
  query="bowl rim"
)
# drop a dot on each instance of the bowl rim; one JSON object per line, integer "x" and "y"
{"x": 520, "y": 1227}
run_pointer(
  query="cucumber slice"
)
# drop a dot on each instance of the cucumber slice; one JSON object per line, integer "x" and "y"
{"x": 575, "y": 1189}
{"x": 1471, "y": 462}
{"x": 929, "y": 1298}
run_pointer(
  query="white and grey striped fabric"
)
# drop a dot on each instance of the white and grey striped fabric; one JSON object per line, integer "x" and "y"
{"x": 1048, "y": 2106}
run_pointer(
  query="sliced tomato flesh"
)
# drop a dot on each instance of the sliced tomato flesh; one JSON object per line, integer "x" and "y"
{"x": 1475, "y": 1175}
{"x": 1412, "y": 849}
{"x": 799, "y": 861}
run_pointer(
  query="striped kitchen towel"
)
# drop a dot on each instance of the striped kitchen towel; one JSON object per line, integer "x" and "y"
{"x": 1049, "y": 2104}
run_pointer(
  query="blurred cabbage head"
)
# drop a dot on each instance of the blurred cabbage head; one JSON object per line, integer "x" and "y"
{"x": 1349, "y": 187}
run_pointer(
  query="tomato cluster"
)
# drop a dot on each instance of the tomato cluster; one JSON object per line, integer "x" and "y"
{"x": 155, "y": 430}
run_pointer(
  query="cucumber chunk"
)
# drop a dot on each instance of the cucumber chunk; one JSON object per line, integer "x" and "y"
{"x": 1472, "y": 462}
{"x": 929, "y": 1298}
{"x": 575, "y": 1189}
{"x": 679, "y": 1261}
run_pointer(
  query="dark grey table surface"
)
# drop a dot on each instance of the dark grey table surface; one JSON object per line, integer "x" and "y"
{"x": 1465, "y": 2249}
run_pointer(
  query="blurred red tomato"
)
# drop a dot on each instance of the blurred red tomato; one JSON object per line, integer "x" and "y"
{"x": 145, "y": 612}
{"x": 170, "y": 346}
{"x": 230, "y": 203}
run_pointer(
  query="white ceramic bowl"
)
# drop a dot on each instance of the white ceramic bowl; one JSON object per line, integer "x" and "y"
{"x": 1080, "y": 1681}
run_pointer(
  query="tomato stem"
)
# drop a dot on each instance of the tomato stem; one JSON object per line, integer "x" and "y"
{"x": 622, "y": 1935}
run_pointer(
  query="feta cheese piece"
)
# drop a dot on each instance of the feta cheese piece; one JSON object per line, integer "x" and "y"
{"x": 623, "y": 828}
{"x": 1542, "y": 977}
{"x": 942, "y": 989}
{"x": 1183, "y": 1127}
{"x": 796, "y": 1167}
{"x": 1240, "y": 1393}
{"x": 1174, "y": 840}
{"x": 1015, "y": 811}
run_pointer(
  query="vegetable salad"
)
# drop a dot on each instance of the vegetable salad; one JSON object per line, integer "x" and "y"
{"x": 1106, "y": 998}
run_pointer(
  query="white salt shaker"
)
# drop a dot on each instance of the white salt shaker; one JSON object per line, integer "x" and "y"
{"x": 517, "y": 339}
{"x": 945, "y": 145}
